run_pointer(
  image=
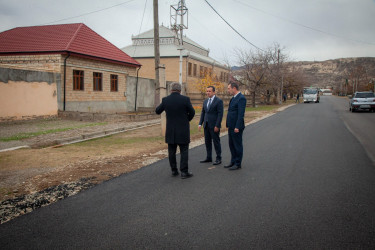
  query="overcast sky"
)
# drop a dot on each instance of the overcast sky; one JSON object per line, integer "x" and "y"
{"x": 310, "y": 30}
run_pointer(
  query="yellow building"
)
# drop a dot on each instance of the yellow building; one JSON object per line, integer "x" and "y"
{"x": 196, "y": 60}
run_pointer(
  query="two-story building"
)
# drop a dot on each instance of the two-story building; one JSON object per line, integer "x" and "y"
{"x": 196, "y": 61}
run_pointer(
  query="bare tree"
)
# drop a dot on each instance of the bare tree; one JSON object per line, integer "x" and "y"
{"x": 276, "y": 69}
{"x": 294, "y": 80}
{"x": 261, "y": 71}
{"x": 357, "y": 77}
{"x": 254, "y": 71}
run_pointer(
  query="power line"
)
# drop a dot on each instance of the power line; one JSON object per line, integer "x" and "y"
{"x": 88, "y": 13}
{"x": 304, "y": 26}
{"x": 232, "y": 27}
{"x": 140, "y": 27}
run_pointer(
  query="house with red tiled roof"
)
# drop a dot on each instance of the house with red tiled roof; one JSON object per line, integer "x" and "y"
{"x": 67, "y": 67}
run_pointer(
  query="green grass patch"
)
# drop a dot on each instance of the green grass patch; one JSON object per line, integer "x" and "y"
{"x": 21, "y": 136}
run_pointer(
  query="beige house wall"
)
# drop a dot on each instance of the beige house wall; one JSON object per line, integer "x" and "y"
{"x": 24, "y": 99}
{"x": 172, "y": 68}
{"x": 89, "y": 67}
{"x": 193, "y": 79}
{"x": 88, "y": 99}
{"x": 24, "y": 92}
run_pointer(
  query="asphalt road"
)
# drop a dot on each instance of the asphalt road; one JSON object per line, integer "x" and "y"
{"x": 306, "y": 183}
{"x": 360, "y": 123}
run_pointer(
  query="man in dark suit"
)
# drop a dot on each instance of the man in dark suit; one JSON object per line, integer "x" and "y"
{"x": 179, "y": 113}
{"x": 235, "y": 125}
{"x": 211, "y": 116}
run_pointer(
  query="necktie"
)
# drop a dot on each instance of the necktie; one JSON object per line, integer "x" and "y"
{"x": 209, "y": 103}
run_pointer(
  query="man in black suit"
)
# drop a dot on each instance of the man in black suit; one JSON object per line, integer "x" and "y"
{"x": 211, "y": 116}
{"x": 235, "y": 125}
{"x": 179, "y": 113}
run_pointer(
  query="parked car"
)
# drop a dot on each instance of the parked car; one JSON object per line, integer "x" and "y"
{"x": 362, "y": 100}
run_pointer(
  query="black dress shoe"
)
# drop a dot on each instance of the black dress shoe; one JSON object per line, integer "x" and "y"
{"x": 186, "y": 175}
{"x": 228, "y": 166}
{"x": 175, "y": 173}
{"x": 235, "y": 167}
{"x": 217, "y": 162}
{"x": 206, "y": 160}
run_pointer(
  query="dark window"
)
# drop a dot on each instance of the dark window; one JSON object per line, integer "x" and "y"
{"x": 364, "y": 95}
{"x": 195, "y": 70}
{"x": 189, "y": 69}
{"x": 114, "y": 83}
{"x": 201, "y": 71}
{"x": 97, "y": 77}
{"x": 78, "y": 80}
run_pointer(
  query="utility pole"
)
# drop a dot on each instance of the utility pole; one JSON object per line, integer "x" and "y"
{"x": 278, "y": 71}
{"x": 160, "y": 82}
{"x": 156, "y": 52}
{"x": 178, "y": 24}
{"x": 346, "y": 87}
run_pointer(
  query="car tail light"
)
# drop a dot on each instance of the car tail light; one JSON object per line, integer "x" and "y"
{"x": 355, "y": 100}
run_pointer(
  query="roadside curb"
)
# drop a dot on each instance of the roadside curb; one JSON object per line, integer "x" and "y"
{"x": 96, "y": 135}
{"x": 13, "y": 148}
{"x": 83, "y": 137}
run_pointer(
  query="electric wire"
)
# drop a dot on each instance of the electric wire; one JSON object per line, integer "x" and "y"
{"x": 209, "y": 31}
{"x": 140, "y": 27}
{"x": 89, "y": 13}
{"x": 303, "y": 25}
{"x": 232, "y": 27}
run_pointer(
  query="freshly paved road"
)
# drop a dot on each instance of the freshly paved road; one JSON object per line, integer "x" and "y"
{"x": 306, "y": 183}
{"x": 360, "y": 123}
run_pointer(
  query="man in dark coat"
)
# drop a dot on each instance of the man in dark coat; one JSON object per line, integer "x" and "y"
{"x": 179, "y": 113}
{"x": 235, "y": 125}
{"x": 211, "y": 116}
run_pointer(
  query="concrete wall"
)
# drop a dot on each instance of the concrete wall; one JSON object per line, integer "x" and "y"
{"x": 28, "y": 93}
{"x": 145, "y": 93}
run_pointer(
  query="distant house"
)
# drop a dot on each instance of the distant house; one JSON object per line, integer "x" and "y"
{"x": 68, "y": 67}
{"x": 196, "y": 59}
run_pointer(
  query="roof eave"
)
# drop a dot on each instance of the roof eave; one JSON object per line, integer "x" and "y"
{"x": 105, "y": 59}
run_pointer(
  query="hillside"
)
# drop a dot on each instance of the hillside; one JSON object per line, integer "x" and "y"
{"x": 334, "y": 72}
